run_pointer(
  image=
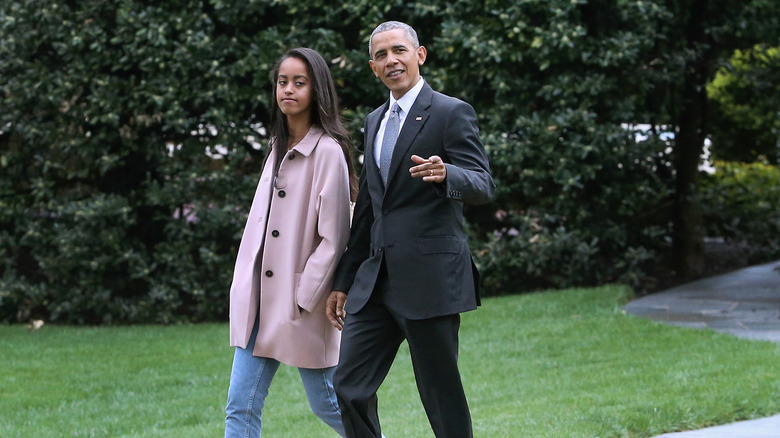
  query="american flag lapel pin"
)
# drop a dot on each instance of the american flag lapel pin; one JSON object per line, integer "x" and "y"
{"x": 418, "y": 118}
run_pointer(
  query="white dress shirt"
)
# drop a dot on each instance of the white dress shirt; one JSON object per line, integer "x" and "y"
{"x": 405, "y": 103}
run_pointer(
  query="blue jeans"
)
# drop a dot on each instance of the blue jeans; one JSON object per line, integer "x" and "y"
{"x": 249, "y": 382}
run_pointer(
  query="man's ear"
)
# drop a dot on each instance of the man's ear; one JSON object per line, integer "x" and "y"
{"x": 422, "y": 54}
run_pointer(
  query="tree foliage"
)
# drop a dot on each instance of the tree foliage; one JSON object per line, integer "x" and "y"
{"x": 132, "y": 136}
{"x": 742, "y": 207}
{"x": 745, "y": 93}
{"x": 132, "y": 133}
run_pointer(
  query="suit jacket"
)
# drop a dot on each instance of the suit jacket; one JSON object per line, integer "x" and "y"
{"x": 295, "y": 233}
{"x": 417, "y": 227}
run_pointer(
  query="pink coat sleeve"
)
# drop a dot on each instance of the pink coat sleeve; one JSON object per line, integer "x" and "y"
{"x": 330, "y": 192}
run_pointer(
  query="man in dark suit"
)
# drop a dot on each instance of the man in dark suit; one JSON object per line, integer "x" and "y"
{"x": 407, "y": 269}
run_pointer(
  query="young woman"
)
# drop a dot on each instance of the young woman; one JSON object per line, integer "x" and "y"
{"x": 296, "y": 231}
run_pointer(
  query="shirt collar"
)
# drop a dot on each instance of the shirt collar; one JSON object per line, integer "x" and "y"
{"x": 407, "y": 100}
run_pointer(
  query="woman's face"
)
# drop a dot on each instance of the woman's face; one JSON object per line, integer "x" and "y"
{"x": 293, "y": 87}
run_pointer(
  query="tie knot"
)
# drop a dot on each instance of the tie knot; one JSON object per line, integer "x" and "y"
{"x": 395, "y": 109}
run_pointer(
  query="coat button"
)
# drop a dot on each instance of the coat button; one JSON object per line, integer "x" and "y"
{"x": 269, "y": 273}
{"x": 282, "y": 194}
{"x": 275, "y": 233}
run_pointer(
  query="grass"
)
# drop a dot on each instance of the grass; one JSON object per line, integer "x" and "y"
{"x": 556, "y": 364}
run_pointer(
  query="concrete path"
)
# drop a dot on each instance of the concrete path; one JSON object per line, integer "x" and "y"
{"x": 744, "y": 303}
{"x": 761, "y": 428}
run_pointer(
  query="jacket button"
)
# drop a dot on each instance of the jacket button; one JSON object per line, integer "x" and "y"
{"x": 275, "y": 233}
{"x": 269, "y": 273}
{"x": 282, "y": 194}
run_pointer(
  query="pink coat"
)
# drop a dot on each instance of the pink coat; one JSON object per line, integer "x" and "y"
{"x": 302, "y": 227}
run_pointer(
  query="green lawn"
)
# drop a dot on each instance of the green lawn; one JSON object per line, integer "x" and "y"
{"x": 557, "y": 364}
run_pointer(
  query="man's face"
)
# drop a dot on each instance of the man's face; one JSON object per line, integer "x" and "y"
{"x": 395, "y": 61}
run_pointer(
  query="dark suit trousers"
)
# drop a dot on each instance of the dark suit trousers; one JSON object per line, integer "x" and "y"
{"x": 369, "y": 344}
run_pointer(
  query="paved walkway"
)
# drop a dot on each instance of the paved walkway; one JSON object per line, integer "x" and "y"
{"x": 761, "y": 428}
{"x": 744, "y": 303}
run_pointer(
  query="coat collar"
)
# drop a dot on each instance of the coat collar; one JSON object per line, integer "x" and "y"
{"x": 307, "y": 144}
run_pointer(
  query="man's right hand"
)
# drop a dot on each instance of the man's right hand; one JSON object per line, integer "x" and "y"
{"x": 334, "y": 308}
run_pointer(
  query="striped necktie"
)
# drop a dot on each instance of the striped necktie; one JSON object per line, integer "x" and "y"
{"x": 388, "y": 141}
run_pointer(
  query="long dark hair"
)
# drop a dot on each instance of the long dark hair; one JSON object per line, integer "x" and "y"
{"x": 325, "y": 111}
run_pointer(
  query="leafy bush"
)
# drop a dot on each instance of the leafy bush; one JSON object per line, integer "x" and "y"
{"x": 741, "y": 203}
{"x": 131, "y": 143}
{"x": 132, "y": 133}
{"x": 95, "y": 260}
{"x": 745, "y": 94}
{"x": 579, "y": 205}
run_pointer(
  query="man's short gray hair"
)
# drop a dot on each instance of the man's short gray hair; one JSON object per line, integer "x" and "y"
{"x": 390, "y": 25}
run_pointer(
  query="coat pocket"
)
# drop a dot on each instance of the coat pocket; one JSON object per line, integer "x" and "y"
{"x": 439, "y": 244}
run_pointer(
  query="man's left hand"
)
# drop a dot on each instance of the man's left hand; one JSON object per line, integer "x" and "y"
{"x": 334, "y": 308}
{"x": 429, "y": 169}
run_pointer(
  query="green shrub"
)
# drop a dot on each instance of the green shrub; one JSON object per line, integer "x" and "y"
{"x": 111, "y": 211}
{"x": 131, "y": 138}
{"x": 741, "y": 203}
{"x": 98, "y": 260}
{"x": 580, "y": 203}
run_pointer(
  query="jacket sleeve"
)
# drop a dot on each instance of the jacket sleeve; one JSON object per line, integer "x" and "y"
{"x": 359, "y": 246}
{"x": 331, "y": 189}
{"x": 468, "y": 171}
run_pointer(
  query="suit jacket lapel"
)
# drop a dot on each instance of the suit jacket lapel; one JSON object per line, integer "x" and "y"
{"x": 414, "y": 121}
{"x": 372, "y": 170}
